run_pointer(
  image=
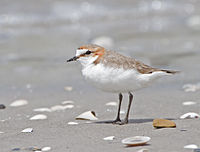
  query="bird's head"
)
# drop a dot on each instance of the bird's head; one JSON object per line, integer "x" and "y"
{"x": 88, "y": 54}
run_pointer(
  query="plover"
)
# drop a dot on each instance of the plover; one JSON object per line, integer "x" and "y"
{"x": 113, "y": 72}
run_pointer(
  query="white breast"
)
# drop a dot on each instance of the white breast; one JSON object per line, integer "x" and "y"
{"x": 117, "y": 80}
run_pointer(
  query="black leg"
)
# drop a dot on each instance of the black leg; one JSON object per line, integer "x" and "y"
{"x": 125, "y": 121}
{"x": 117, "y": 120}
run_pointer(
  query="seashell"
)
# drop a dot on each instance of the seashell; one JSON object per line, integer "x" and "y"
{"x": 111, "y": 104}
{"x": 60, "y": 107}
{"x": 39, "y": 117}
{"x": 72, "y": 123}
{"x": 27, "y": 130}
{"x": 68, "y": 106}
{"x": 57, "y": 108}
{"x": 136, "y": 141}
{"x": 190, "y": 115}
{"x": 188, "y": 103}
{"x": 18, "y": 103}
{"x": 42, "y": 110}
{"x": 109, "y": 138}
{"x": 163, "y": 123}
{"x": 68, "y": 102}
{"x": 191, "y": 146}
{"x": 68, "y": 88}
{"x": 88, "y": 115}
{"x": 1, "y": 132}
{"x": 46, "y": 148}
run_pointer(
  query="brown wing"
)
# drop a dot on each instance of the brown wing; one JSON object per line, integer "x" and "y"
{"x": 117, "y": 60}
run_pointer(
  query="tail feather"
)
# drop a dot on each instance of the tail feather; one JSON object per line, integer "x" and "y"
{"x": 170, "y": 71}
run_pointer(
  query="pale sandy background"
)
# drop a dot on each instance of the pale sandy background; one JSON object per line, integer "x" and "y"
{"x": 36, "y": 38}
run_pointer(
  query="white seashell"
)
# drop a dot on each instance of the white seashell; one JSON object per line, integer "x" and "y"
{"x": 68, "y": 88}
{"x": 109, "y": 138}
{"x": 46, "y": 148}
{"x": 188, "y": 103}
{"x": 111, "y": 104}
{"x": 18, "y": 103}
{"x": 190, "y": 115}
{"x": 39, "y": 117}
{"x": 57, "y": 108}
{"x": 143, "y": 150}
{"x": 72, "y": 123}
{"x": 42, "y": 110}
{"x": 88, "y": 115}
{"x": 136, "y": 141}
{"x": 27, "y": 130}
{"x": 192, "y": 146}
{"x": 60, "y": 107}
{"x": 1, "y": 132}
{"x": 68, "y": 102}
{"x": 68, "y": 106}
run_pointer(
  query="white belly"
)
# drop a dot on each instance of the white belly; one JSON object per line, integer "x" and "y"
{"x": 117, "y": 80}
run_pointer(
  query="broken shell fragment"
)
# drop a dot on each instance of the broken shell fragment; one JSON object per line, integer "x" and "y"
{"x": 163, "y": 123}
{"x": 136, "y": 141}
{"x": 88, "y": 115}
{"x": 72, "y": 123}
{"x": 109, "y": 138}
{"x": 18, "y": 103}
{"x": 60, "y": 107}
{"x": 46, "y": 148}
{"x": 27, "y": 130}
{"x": 190, "y": 115}
{"x": 188, "y": 103}
{"x": 39, "y": 117}
{"x": 42, "y": 110}
{"x": 111, "y": 104}
{"x": 68, "y": 106}
{"x": 191, "y": 146}
{"x": 68, "y": 102}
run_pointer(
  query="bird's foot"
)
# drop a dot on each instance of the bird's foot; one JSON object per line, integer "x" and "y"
{"x": 125, "y": 121}
{"x": 116, "y": 121}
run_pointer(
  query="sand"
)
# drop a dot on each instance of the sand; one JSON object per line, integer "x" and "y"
{"x": 33, "y": 54}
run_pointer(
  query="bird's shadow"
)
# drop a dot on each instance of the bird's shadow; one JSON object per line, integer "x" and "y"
{"x": 132, "y": 121}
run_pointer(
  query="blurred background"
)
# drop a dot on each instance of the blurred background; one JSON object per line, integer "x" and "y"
{"x": 37, "y": 37}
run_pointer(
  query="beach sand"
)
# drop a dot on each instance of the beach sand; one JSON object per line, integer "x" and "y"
{"x": 33, "y": 67}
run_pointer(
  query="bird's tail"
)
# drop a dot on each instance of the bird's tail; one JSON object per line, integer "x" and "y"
{"x": 170, "y": 71}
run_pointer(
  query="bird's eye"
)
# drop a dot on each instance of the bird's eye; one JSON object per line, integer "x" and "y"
{"x": 88, "y": 52}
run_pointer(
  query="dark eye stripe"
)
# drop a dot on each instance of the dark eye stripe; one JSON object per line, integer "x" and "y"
{"x": 88, "y": 52}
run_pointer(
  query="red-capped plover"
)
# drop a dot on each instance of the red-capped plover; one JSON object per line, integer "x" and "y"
{"x": 113, "y": 72}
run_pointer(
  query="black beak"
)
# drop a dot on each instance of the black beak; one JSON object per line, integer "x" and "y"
{"x": 73, "y": 59}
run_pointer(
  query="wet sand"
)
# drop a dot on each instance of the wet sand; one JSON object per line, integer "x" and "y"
{"x": 33, "y": 66}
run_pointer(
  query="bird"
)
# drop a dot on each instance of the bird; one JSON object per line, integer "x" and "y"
{"x": 113, "y": 72}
